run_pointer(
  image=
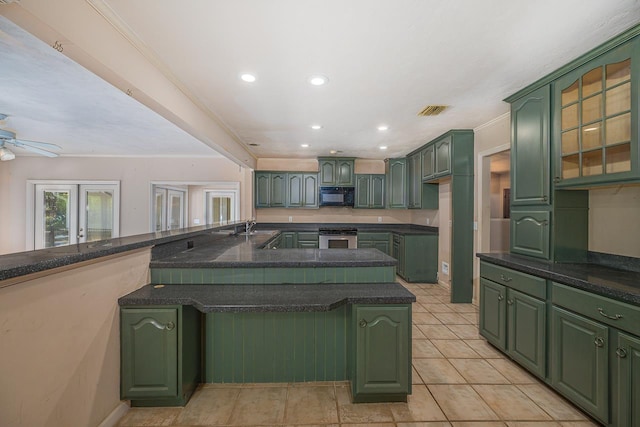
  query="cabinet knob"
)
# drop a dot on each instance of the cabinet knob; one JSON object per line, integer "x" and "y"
{"x": 500, "y": 297}
{"x": 510, "y": 301}
{"x": 545, "y": 198}
{"x": 505, "y": 278}
{"x": 621, "y": 353}
{"x": 169, "y": 326}
{"x": 556, "y": 179}
{"x": 599, "y": 342}
{"x": 614, "y": 317}
{"x": 363, "y": 323}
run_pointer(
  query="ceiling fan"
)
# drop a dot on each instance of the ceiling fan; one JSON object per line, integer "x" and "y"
{"x": 8, "y": 137}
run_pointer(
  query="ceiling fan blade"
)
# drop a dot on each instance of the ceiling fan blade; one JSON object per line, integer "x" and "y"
{"x": 36, "y": 150}
{"x": 23, "y": 143}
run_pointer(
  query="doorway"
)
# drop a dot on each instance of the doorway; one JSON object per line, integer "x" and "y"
{"x": 168, "y": 208}
{"x": 500, "y": 200}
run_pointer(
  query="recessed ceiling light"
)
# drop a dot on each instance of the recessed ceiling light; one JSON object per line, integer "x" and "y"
{"x": 316, "y": 127}
{"x": 383, "y": 147}
{"x": 304, "y": 145}
{"x": 333, "y": 151}
{"x": 318, "y": 80}
{"x": 249, "y": 78}
{"x": 383, "y": 127}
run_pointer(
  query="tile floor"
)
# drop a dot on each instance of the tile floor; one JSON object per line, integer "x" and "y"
{"x": 458, "y": 381}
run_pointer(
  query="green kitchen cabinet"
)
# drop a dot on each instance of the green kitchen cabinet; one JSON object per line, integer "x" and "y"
{"x": 302, "y": 190}
{"x": 428, "y": 162}
{"x": 596, "y": 120}
{"x": 381, "y": 357}
{"x": 278, "y": 190}
{"x": 160, "y": 354}
{"x": 513, "y": 315}
{"x": 530, "y": 149}
{"x": 263, "y": 189}
{"x": 369, "y": 191}
{"x": 417, "y": 256}
{"x": 414, "y": 178}
{"x": 628, "y": 381}
{"x": 530, "y": 232}
{"x": 376, "y": 240}
{"x": 579, "y": 361}
{"x": 336, "y": 172}
{"x": 396, "y": 174}
{"x": 442, "y": 154}
{"x": 308, "y": 239}
{"x": 289, "y": 240}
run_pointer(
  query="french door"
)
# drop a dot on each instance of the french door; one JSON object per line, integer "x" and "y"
{"x": 220, "y": 207}
{"x": 66, "y": 214}
{"x": 169, "y": 209}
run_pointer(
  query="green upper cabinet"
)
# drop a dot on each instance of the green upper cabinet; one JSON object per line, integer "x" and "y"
{"x": 278, "y": 197}
{"x": 530, "y": 233}
{"x": 443, "y": 156}
{"x": 396, "y": 172}
{"x": 414, "y": 178}
{"x": 302, "y": 190}
{"x": 263, "y": 190}
{"x": 530, "y": 149}
{"x": 369, "y": 191}
{"x": 336, "y": 172}
{"x": 428, "y": 162}
{"x": 596, "y": 120}
{"x": 381, "y": 365}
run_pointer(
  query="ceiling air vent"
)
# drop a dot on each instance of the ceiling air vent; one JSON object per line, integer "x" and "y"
{"x": 432, "y": 110}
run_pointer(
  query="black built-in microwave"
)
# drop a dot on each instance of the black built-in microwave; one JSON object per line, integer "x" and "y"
{"x": 337, "y": 196}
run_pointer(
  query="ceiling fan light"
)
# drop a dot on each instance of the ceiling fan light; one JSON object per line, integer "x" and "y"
{"x": 6, "y": 154}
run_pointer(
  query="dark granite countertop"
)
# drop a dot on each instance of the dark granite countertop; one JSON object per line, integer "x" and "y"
{"x": 268, "y": 298}
{"x": 611, "y": 282}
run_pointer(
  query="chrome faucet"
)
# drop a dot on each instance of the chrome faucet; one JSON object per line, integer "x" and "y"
{"x": 248, "y": 226}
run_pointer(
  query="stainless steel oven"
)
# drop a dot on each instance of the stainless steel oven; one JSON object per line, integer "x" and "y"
{"x": 338, "y": 238}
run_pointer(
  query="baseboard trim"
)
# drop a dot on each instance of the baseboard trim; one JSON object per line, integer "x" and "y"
{"x": 115, "y": 415}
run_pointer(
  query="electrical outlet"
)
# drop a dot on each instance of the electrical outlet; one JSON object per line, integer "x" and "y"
{"x": 290, "y": 219}
{"x": 379, "y": 219}
{"x": 475, "y": 225}
{"x": 445, "y": 268}
{"x": 427, "y": 221}
{"x": 196, "y": 220}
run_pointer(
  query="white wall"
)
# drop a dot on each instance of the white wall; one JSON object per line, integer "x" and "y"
{"x": 60, "y": 351}
{"x": 614, "y": 213}
{"x": 135, "y": 176}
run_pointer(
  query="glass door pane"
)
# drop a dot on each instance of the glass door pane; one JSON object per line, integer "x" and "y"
{"x": 220, "y": 207}
{"x": 176, "y": 209}
{"x": 55, "y": 216}
{"x": 99, "y": 212}
{"x": 160, "y": 209}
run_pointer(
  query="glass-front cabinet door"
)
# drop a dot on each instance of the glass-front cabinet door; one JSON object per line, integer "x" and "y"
{"x": 596, "y": 134}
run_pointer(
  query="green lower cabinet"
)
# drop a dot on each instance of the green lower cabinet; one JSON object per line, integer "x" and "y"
{"x": 628, "y": 381}
{"x": 160, "y": 355}
{"x": 417, "y": 256}
{"x": 380, "y": 362}
{"x": 308, "y": 240}
{"x": 526, "y": 341}
{"x": 380, "y": 241}
{"x": 492, "y": 319}
{"x": 289, "y": 240}
{"x": 580, "y": 361}
{"x": 530, "y": 232}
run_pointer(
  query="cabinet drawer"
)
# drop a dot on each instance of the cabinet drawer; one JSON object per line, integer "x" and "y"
{"x": 378, "y": 237}
{"x": 526, "y": 283}
{"x": 307, "y": 235}
{"x": 614, "y": 313}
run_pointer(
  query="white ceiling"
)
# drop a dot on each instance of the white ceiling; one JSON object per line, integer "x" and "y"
{"x": 386, "y": 60}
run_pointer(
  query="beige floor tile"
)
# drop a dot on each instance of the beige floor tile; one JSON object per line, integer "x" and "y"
{"x": 416, "y": 333}
{"x": 478, "y": 424}
{"x": 455, "y": 349}
{"x": 463, "y": 308}
{"x": 533, "y": 424}
{"x": 466, "y": 332}
{"x": 415, "y": 377}
{"x": 512, "y": 372}
{"x": 438, "y": 307}
{"x": 511, "y": 403}
{"x": 361, "y": 412}
{"x": 311, "y": 425}
{"x": 426, "y": 424}
{"x": 437, "y": 371}
{"x": 209, "y": 406}
{"x": 579, "y": 424}
{"x": 150, "y": 417}
{"x": 418, "y": 308}
{"x": 473, "y": 318}
{"x": 478, "y": 371}
{"x": 461, "y": 403}
{"x": 425, "y": 319}
{"x": 259, "y": 405}
{"x": 425, "y": 349}
{"x": 552, "y": 403}
{"x": 313, "y": 404}
{"x": 437, "y": 332}
{"x": 451, "y": 318}
{"x": 484, "y": 349}
{"x": 366, "y": 425}
{"x": 420, "y": 406}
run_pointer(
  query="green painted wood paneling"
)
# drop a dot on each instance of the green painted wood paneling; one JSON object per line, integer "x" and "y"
{"x": 628, "y": 381}
{"x": 492, "y": 320}
{"x": 276, "y": 347}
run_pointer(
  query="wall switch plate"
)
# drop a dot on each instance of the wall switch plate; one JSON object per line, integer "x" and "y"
{"x": 445, "y": 268}
{"x": 196, "y": 220}
{"x": 475, "y": 225}
{"x": 427, "y": 221}
{"x": 290, "y": 219}
{"x": 379, "y": 219}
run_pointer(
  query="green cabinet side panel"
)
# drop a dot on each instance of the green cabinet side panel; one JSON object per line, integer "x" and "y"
{"x": 530, "y": 232}
{"x": 462, "y": 199}
{"x": 418, "y": 255}
{"x": 527, "y": 337}
{"x": 580, "y": 361}
{"x": 628, "y": 381}
{"x": 276, "y": 347}
{"x": 570, "y": 227}
{"x": 382, "y": 358}
{"x": 492, "y": 313}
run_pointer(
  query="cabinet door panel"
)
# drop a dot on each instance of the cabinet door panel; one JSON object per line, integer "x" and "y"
{"x": 628, "y": 355}
{"x": 278, "y": 190}
{"x": 295, "y": 189}
{"x": 397, "y": 183}
{"x": 376, "y": 197}
{"x": 443, "y": 156}
{"x": 527, "y": 331}
{"x": 263, "y": 189}
{"x": 580, "y": 361}
{"x": 428, "y": 162}
{"x": 530, "y": 148}
{"x": 363, "y": 187}
{"x": 530, "y": 233}
{"x": 328, "y": 173}
{"x": 149, "y": 352}
{"x": 345, "y": 172}
{"x": 310, "y": 190}
{"x": 492, "y": 313}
